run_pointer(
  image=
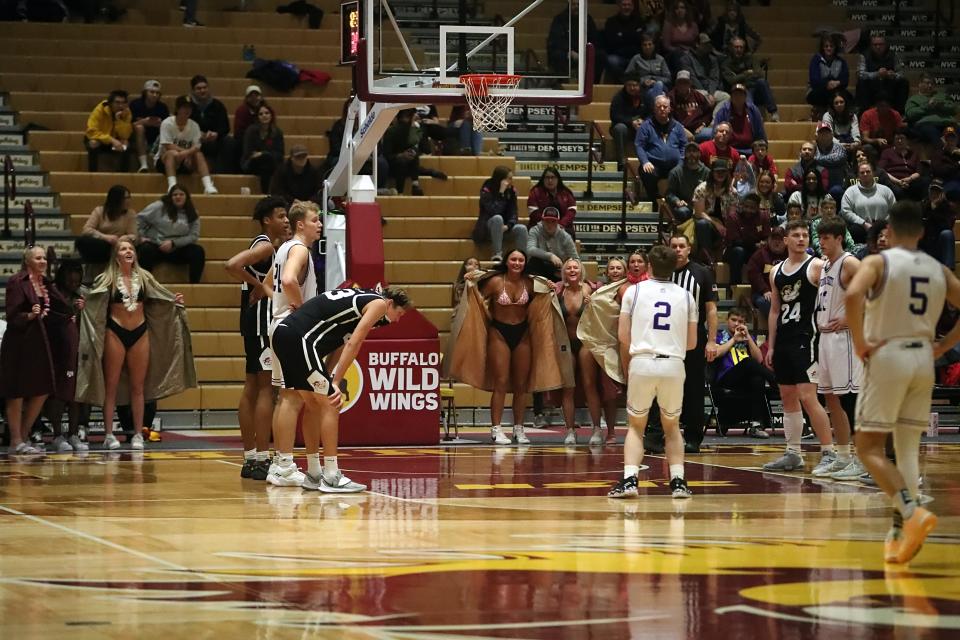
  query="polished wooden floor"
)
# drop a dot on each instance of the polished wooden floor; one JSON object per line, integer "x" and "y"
{"x": 464, "y": 542}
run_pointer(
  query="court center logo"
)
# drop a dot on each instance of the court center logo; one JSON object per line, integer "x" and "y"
{"x": 351, "y": 387}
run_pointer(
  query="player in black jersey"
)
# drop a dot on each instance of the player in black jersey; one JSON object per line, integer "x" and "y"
{"x": 301, "y": 342}
{"x": 250, "y": 267}
{"x": 794, "y": 288}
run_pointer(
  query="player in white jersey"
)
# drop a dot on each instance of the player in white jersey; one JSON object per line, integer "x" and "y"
{"x": 658, "y": 325}
{"x": 292, "y": 281}
{"x": 251, "y": 268}
{"x": 903, "y": 290}
{"x": 840, "y": 372}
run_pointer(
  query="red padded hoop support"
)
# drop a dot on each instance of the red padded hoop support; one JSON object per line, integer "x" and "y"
{"x": 368, "y": 94}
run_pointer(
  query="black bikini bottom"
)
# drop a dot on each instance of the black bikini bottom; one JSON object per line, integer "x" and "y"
{"x": 512, "y": 333}
{"x": 127, "y": 337}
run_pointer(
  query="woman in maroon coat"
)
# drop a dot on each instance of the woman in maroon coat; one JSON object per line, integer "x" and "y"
{"x": 551, "y": 192}
{"x": 29, "y": 358}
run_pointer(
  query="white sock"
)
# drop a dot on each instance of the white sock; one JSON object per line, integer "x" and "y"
{"x": 263, "y": 455}
{"x": 207, "y": 182}
{"x": 824, "y": 448}
{"x": 630, "y": 470}
{"x": 171, "y": 180}
{"x": 313, "y": 464}
{"x": 143, "y": 161}
{"x": 907, "y": 445}
{"x": 330, "y": 467}
{"x": 676, "y": 471}
{"x": 843, "y": 451}
{"x": 250, "y": 454}
{"x": 284, "y": 459}
{"x": 793, "y": 430}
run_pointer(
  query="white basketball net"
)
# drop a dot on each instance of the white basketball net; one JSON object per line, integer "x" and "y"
{"x": 489, "y": 109}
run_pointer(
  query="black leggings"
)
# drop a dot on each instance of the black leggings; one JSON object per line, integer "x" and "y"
{"x": 193, "y": 255}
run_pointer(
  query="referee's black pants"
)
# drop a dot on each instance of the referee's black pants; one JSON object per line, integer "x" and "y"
{"x": 691, "y": 417}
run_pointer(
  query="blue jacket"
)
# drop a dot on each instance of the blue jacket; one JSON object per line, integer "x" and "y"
{"x": 652, "y": 148}
{"x": 756, "y": 119}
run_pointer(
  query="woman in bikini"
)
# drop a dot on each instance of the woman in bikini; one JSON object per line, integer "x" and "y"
{"x": 126, "y": 340}
{"x": 573, "y": 300}
{"x": 508, "y": 342}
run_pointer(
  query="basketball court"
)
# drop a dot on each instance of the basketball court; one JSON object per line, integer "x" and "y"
{"x": 463, "y": 542}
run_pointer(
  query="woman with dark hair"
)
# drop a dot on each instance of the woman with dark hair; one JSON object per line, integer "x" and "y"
{"x": 32, "y": 362}
{"x": 109, "y": 222}
{"x": 636, "y": 271}
{"x": 263, "y": 147}
{"x": 810, "y": 195}
{"x": 731, "y": 24}
{"x": 131, "y": 323}
{"x": 551, "y": 192}
{"x": 469, "y": 266}
{"x": 828, "y": 74}
{"x": 771, "y": 201}
{"x": 498, "y": 214}
{"x": 843, "y": 119}
{"x": 251, "y": 268}
{"x": 680, "y": 33}
{"x": 714, "y": 200}
{"x": 169, "y": 229}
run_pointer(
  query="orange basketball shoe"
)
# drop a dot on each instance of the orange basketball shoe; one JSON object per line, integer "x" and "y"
{"x": 916, "y": 528}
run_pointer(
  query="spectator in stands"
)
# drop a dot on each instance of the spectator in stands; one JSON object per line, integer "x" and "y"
{"x": 880, "y": 71}
{"x": 810, "y": 196}
{"x": 771, "y": 202}
{"x": 794, "y": 178}
{"x": 702, "y": 14}
{"x": 263, "y": 147}
{"x": 938, "y": 218}
{"x": 759, "y": 266}
{"x": 660, "y": 142}
{"x": 169, "y": 229}
{"x": 563, "y": 43}
{"x": 928, "y": 111}
{"x": 110, "y": 130}
{"x": 246, "y": 114}
{"x": 748, "y": 228}
{"x": 879, "y": 123}
{"x": 828, "y": 209}
{"x": 704, "y": 65}
{"x": 871, "y": 156}
{"x": 621, "y": 38}
{"x": 551, "y": 192}
{"x": 107, "y": 224}
{"x": 691, "y": 108}
{"x": 402, "y": 144}
{"x": 180, "y": 150}
{"x": 549, "y": 246}
{"x": 652, "y": 68}
{"x": 720, "y": 146}
{"x": 740, "y": 368}
{"x": 498, "y": 214}
{"x": 865, "y": 203}
{"x": 713, "y": 202}
{"x": 761, "y": 160}
{"x": 831, "y": 155}
{"x": 434, "y": 134}
{"x": 739, "y": 68}
{"x": 469, "y": 266}
{"x": 877, "y": 241}
{"x": 211, "y": 116}
{"x": 843, "y": 120}
{"x": 29, "y": 359}
{"x": 903, "y": 166}
{"x": 627, "y": 112}
{"x": 746, "y": 123}
{"x": 683, "y": 181}
{"x": 945, "y": 163}
{"x": 680, "y": 33}
{"x": 732, "y": 25}
{"x": 829, "y": 74}
{"x": 653, "y": 12}
{"x": 296, "y": 179}
{"x": 189, "y": 8}
{"x": 460, "y": 128}
{"x": 149, "y": 112}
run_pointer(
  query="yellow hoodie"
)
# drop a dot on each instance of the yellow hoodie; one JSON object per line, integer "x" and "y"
{"x": 102, "y": 126}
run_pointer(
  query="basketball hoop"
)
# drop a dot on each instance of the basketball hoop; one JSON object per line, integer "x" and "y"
{"x": 488, "y": 96}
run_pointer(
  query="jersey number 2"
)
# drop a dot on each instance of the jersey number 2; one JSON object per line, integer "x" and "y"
{"x": 660, "y": 317}
{"x": 918, "y": 306}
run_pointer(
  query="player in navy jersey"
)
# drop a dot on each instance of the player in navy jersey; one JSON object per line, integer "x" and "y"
{"x": 251, "y": 267}
{"x": 301, "y": 342}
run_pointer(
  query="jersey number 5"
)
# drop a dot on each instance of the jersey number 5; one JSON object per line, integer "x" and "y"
{"x": 918, "y": 304}
{"x": 660, "y": 317}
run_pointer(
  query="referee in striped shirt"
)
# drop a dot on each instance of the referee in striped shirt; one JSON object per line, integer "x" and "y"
{"x": 699, "y": 281}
